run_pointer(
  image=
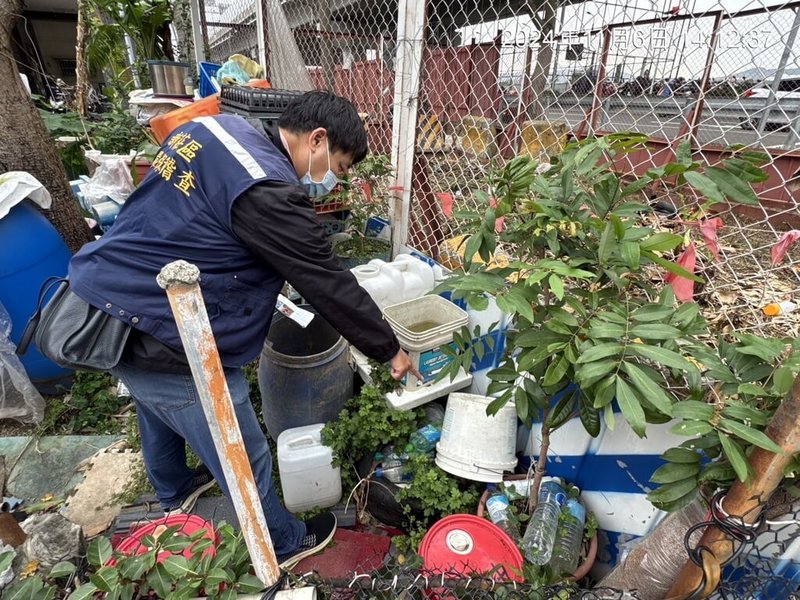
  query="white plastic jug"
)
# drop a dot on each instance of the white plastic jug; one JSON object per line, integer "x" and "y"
{"x": 308, "y": 477}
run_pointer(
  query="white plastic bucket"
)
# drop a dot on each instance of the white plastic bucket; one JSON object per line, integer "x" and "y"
{"x": 441, "y": 319}
{"x": 308, "y": 477}
{"x": 476, "y": 446}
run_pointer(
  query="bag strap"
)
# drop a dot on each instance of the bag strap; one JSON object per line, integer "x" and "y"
{"x": 33, "y": 322}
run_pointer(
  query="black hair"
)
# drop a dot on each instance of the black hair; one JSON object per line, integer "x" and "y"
{"x": 337, "y": 115}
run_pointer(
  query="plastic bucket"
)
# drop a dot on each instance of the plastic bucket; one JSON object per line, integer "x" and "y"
{"x": 476, "y": 446}
{"x": 423, "y": 325}
{"x": 304, "y": 374}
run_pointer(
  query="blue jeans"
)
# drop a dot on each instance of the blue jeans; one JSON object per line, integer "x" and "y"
{"x": 170, "y": 415}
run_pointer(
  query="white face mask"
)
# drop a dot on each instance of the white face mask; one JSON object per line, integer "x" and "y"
{"x": 317, "y": 189}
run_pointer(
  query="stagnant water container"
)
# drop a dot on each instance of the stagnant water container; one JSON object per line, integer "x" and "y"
{"x": 304, "y": 375}
{"x": 474, "y": 445}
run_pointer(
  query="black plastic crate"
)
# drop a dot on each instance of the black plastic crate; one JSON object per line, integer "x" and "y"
{"x": 254, "y": 102}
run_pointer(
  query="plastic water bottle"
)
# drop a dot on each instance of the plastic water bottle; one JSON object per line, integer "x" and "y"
{"x": 423, "y": 440}
{"x": 499, "y": 511}
{"x": 569, "y": 537}
{"x": 537, "y": 544}
{"x": 395, "y": 474}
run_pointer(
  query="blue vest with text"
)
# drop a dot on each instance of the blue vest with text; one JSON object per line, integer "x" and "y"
{"x": 182, "y": 210}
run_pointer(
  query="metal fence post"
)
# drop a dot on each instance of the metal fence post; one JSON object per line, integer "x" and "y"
{"x": 776, "y": 78}
{"x": 408, "y": 66}
{"x": 180, "y": 280}
{"x": 261, "y": 34}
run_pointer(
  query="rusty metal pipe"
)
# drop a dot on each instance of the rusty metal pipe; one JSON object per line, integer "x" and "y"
{"x": 747, "y": 500}
{"x": 180, "y": 280}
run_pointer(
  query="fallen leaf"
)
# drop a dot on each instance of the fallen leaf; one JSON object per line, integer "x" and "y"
{"x": 708, "y": 229}
{"x": 29, "y": 569}
{"x": 780, "y": 249}
{"x": 447, "y": 204}
{"x": 727, "y": 297}
{"x": 682, "y": 287}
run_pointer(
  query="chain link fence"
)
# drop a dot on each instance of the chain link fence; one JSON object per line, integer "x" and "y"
{"x": 454, "y": 89}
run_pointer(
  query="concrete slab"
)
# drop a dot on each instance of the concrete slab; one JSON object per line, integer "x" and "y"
{"x": 10, "y": 449}
{"x": 351, "y": 553}
{"x": 47, "y": 465}
{"x": 94, "y": 503}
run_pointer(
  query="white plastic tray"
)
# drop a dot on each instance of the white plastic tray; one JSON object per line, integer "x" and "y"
{"x": 407, "y": 400}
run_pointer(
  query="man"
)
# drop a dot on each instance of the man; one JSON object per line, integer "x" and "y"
{"x": 233, "y": 199}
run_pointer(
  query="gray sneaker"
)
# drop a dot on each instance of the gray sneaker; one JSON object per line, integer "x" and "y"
{"x": 202, "y": 481}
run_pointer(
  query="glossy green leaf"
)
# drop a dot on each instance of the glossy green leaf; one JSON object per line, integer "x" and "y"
{"x": 655, "y": 331}
{"x": 652, "y": 313}
{"x": 751, "y": 435}
{"x": 556, "y": 286}
{"x": 672, "y": 472}
{"x": 562, "y": 411}
{"x": 649, "y": 389}
{"x": 671, "y": 492}
{"x": 693, "y": 409}
{"x": 691, "y": 428}
{"x": 609, "y": 418}
{"x": 661, "y": 242}
{"x": 661, "y": 356}
{"x": 631, "y": 407}
{"x": 177, "y": 566}
{"x": 249, "y": 584}
{"x": 160, "y": 580}
{"x": 6, "y": 558}
{"x": 590, "y": 416}
{"x": 594, "y": 371}
{"x": 731, "y": 186}
{"x": 671, "y": 266}
{"x": 782, "y": 380}
{"x": 747, "y": 414}
{"x": 607, "y": 244}
{"x": 704, "y": 185}
{"x": 681, "y": 455}
{"x": 61, "y": 569}
{"x": 84, "y": 592}
{"x": 735, "y": 455}
{"x": 718, "y": 472}
{"x": 631, "y": 254}
{"x": 99, "y": 551}
{"x": 555, "y": 372}
{"x": 106, "y": 578}
{"x": 606, "y": 331}
{"x": 600, "y": 351}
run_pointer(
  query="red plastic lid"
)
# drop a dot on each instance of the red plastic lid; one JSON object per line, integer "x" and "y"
{"x": 188, "y": 524}
{"x": 469, "y": 545}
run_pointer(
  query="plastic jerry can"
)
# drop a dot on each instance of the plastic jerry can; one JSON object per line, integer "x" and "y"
{"x": 308, "y": 477}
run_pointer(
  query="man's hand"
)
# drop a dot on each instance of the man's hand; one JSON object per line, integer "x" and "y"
{"x": 401, "y": 364}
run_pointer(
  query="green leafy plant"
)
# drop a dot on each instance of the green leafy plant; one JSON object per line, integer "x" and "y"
{"x": 367, "y": 423}
{"x": 92, "y": 405}
{"x": 223, "y": 575}
{"x": 437, "y": 495}
{"x": 592, "y": 321}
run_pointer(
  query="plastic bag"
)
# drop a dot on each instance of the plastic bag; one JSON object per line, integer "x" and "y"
{"x": 18, "y": 398}
{"x": 230, "y": 73}
{"x": 653, "y": 564}
{"x": 111, "y": 179}
{"x": 16, "y": 186}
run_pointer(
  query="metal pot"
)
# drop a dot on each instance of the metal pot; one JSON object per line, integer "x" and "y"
{"x": 170, "y": 78}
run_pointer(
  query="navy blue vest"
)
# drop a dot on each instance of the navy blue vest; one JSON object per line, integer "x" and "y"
{"x": 182, "y": 210}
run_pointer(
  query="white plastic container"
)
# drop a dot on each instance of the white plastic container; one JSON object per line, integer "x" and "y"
{"x": 474, "y": 445}
{"x": 423, "y": 325}
{"x": 387, "y": 283}
{"x": 308, "y": 477}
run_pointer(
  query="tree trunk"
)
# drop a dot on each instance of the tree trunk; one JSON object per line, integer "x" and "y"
{"x": 25, "y": 144}
{"x": 81, "y": 68}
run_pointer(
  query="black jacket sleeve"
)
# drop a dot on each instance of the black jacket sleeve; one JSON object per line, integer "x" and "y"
{"x": 277, "y": 222}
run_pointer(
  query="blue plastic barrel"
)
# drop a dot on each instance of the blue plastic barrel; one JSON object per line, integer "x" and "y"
{"x": 31, "y": 250}
{"x": 304, "y": 375}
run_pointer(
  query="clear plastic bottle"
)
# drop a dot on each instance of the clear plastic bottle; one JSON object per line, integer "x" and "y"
{"x": 423, "y": 440}
{"x": 395, "y": 474}
{"x": 537, "y": 544}
{"x": 569, "y": 537}
{"x": 498, "y": 509}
